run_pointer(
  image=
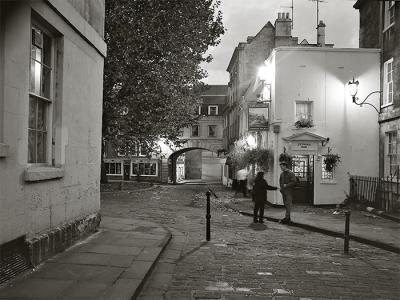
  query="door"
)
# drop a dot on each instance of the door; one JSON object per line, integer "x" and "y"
{"x": 303, "y": 168}
{"x": 127, "y": 171}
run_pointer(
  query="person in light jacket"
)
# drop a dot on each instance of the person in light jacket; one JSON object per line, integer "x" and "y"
{"x": 260, "y": 196}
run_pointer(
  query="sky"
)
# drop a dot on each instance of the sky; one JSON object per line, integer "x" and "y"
{"x": 244, "y": 18}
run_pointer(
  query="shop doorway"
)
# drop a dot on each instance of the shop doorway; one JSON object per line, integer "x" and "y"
{"x": 127, "y": 170}
{"x": 303, "y": 168}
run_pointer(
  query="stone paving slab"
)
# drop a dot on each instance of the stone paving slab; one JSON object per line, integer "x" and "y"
{"x": 111, "y": 264}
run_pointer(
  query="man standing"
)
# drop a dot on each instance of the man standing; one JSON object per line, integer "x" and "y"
{"x": 287, "y": 182}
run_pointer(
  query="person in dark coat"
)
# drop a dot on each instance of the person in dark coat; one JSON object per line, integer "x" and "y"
{"x": 260, "y": 196}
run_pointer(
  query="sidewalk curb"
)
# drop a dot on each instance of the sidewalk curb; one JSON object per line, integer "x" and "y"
{"x": 358, "y": 239}
{"x": 129, "y": 191}
{"x": 164, "y": 243}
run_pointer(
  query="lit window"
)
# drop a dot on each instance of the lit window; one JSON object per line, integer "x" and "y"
{"x": 113, "y": 168}
{"x": 303, "y": 110}
{"x": 327, "y": 175}
{"x": 212, "y": 130}
{"x": 393, "y": 153}
{"x": 40, "y": 98}
{"x": 144, "y": 168}
{"x": 195, "y": 130}
{"x": 388, "y": 82}
{"x": 212, "y": 110}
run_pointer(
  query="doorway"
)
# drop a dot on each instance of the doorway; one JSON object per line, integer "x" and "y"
{"x": 303, "y": 168}
{"x": 127, "y": 170}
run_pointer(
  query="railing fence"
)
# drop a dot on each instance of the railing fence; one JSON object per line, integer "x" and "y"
{"x": 380, "y": 193}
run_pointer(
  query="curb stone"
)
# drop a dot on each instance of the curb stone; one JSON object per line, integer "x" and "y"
{"x": 361, "y": 240}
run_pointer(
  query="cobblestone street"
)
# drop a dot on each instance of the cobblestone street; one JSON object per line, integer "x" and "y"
{"x": 249, "y": 261}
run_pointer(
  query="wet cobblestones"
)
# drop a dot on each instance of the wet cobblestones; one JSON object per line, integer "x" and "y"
{"x": 251, "y": 261}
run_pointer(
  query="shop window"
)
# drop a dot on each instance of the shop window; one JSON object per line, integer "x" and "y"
{"x": 388, "y": 82}
{"x": 40, "y": 97}
{"x": 113, "y": 168}
{"x": 212, "y": 130}
{"x": 212, "y": 110}
{"x": 144, "y": 168}
{"x": 195, "y": 130}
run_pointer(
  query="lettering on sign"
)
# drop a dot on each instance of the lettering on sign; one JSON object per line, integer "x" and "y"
{"x": 308, "y": 146}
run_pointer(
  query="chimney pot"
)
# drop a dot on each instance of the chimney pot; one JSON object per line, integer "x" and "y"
{"x": 321, "y": 34}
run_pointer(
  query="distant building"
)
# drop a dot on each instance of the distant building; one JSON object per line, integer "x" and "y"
{"x": 207, "y": 134}
{"x": 51, "y": 86}
{"x": 380, "y": 28}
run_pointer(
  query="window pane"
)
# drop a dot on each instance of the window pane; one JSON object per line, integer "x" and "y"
{"x": 36, "y": 53}
{"x": 147, "y": 169}
{"x": 41, "y": 147}
{"x": 118, "y": 166}
{"x": 141, "y": 168}
{"x": 135, "y": 169}
{"x": 36, "y": 70}
{"x": 41, "y": 115}
{"x": 31, "y": 146}
{"x": 46, "y": 50}
{"x": 32, "y": 112}
{"x": 153, "y": 169}
{"x": 45, "y": 88}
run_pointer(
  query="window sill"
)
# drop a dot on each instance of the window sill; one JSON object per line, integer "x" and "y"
{"x": 386, "y": 105}
{"x": 43, "y": 173}
{"x": 328, "y": 182}
{"x": 4, "y": 149}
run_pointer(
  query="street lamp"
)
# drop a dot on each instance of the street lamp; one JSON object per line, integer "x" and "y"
{"x": 353, "y": 90}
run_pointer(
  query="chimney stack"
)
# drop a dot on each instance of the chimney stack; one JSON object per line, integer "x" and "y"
{"x": 283, "y": 25}
{"x": 321, "y": 34}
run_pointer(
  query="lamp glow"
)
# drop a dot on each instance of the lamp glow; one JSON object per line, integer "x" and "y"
{"x": 353, "y": 88}
{"x": 265, "y": 73}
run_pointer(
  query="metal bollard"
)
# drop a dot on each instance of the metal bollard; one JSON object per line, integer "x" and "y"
{"x": 208, "y": 216}
{"x": 347, "y": 233}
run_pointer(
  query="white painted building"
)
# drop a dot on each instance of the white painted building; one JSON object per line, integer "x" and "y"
{"x": 311, "y": 83}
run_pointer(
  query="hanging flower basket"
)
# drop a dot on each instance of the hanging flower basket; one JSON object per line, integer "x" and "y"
{"x": 331, "y": 161}
{"x": 263, "y": 158}
{"x": 304, "y": 123}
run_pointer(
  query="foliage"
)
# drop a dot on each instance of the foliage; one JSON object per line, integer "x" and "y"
{"x": 304, "y": 123}
{"x": 287, "y": 158}
{"x": 263, "y": 158}
{"x": 331, "y": 161}
{"x": 242, "y": 155}
{"x": 152, "y": 70}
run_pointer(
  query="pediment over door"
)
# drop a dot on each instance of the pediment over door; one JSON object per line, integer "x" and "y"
{"x": 305, "y": 143}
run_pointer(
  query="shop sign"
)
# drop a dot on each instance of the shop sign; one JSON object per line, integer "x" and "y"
{"x": 304, "y": 146}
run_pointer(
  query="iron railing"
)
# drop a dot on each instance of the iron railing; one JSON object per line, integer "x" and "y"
{"x": 379, "y": 193}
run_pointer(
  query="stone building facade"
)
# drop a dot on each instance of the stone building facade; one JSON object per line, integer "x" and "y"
{"x": 380, "y": 28}
{"x": 51, "y": 81}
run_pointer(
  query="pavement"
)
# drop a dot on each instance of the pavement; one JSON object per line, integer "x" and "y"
{"x": 111, "y": 264}
{"x": 115, "y": 262}
{"x": 371, "y": 228}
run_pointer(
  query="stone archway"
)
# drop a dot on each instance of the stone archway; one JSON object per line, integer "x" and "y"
{"x": 172, "y": 165}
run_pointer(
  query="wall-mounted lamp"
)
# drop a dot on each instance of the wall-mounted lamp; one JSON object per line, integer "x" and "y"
{"x": 353, "y": 90}
{"x": 265, "y": 74}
